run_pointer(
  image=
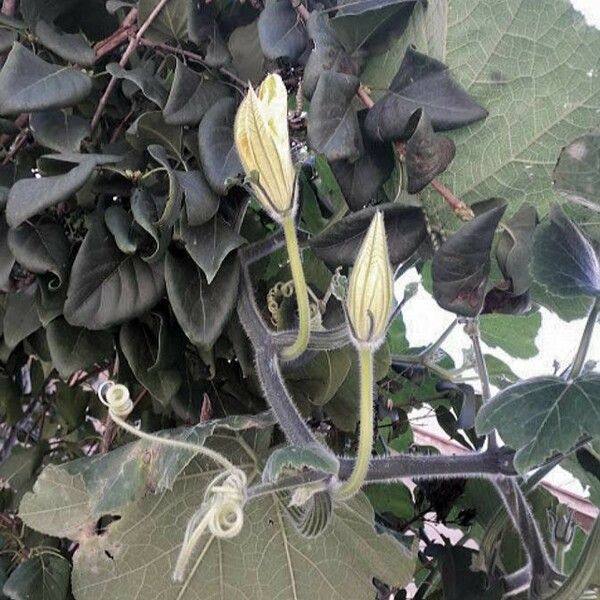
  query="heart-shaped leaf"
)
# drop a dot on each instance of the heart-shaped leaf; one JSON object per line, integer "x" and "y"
{"x": 43, "y": 577}
{"x": 202, "y": 310}
{"x": 218, "y": 155}
{"x": 27, "y": 83}
{"x": 542, "y": 416}
{"x": 143, "y": 78}
{"x": 427, "y": 154}
{"x": 422, "y": 82}
{"x": 73, "y": 47}
{"x": 339, "y": 244}
{"x": 20, "y": 316}
{"x": 108, "y": 287}
{"x": 462, "y": 264}
{"x": 563, "y": 259}
{"x": 281, "y": 31}
{"x": 201, "y": 203}
{"x": 333, "y": 125}
{"x": 58, "y": 130}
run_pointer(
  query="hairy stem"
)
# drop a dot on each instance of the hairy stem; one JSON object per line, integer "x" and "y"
{"x": 293, "y": 249}
{"x": 586, "y": 338}
{"x": 365, "y": 440}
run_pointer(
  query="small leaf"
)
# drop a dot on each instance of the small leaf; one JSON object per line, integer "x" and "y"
{"x": 150, "y": 128}
{"x": 313, "y": 456}
{"x": 462, "y": 264}
{"x": 281, "y": 31}
{"x": 171, "y": 22}
{"x": 142, "y": 78}
{"x": 202, "y": 310}
{"x": 75, "y": 348}
{"x": 27, "y": 83}
{"x": 73, "y": 47}
{"x": 218, "y": 155}
{"x": 21, "y": 317}
{"x": 421, "y": 82}
{"x": 201, "y": 203}
{"x": 339, "y": 244}
{"x": 541, "y": 416}
{"x": 499, "y": 331}
{"x": 146, "y": 209}
{"x": 58, "y": 130}
{"x": 108, "y": 287}
{"x": 120, "y": 224}
{"x": 172, "y": 207}
{"x": 333, "y": 125}
{"x": 427, "y": 154}
{"x": 191, "y": 96}
{"x": 43, "y": 577}
{"x": 563, "y": 259}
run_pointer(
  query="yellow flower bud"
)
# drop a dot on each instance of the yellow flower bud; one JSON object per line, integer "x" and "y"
{"x": 263, "y": 145}
{"x": 370, "y": 290}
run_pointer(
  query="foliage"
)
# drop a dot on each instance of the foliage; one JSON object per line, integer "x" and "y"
{"x": 133, "y": 248}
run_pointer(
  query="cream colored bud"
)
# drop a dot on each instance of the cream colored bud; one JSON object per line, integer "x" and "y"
{"x": 370, "y": 290}
{"x": 263, "y": 145}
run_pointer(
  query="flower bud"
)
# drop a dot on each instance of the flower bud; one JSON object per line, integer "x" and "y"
{"x": 262, "y": 142}
{"x": 370, "y": 290}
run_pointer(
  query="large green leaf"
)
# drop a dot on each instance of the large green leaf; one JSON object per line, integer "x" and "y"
{"x": 513, "y": 333}
{"x": 108, "y": 287}
{"x": 73, "y": 47}
{"x": 28, "y": 83}
{"x": 543, "y": 415}
{"x": 42, "y": 577}
{"x": 21, "y": 316}
{"x": 281, "y": 31}
{"x": 201, "y": 203}
{"x": 59, "y": 130}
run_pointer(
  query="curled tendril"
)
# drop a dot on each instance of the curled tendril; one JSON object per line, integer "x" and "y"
{"x": 222, "y": 510}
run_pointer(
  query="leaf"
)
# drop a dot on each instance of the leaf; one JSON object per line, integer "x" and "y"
{"x": 201, "y": 203}
{"x": 27, "y": 83}
{"x": 142, "y": 78}
{"x": 202, "y": 310}
{"x": 7, "y": 260}
{"x": 172, "y": 207}
{"x": 71, "y": 404}
{"x": 577, "y": 172}
{"x": 205, "y": 32}
{"x": 281, "y": 31}
{"x": 58, "y": 130}
{"x": 391, "y": 498}
{"x": 350, "y": 546}
{"x": 150, "y": 128}
{"x": 191, "y": 96}
{"x": 21, "y": 317}
{"x": 28, "y": 197}
{"x": 120, "y": 224}
{"x": 74, "y": 348}
{"x": 427, "y": 154}
{"x": 462, "y": 264}
{"x": 7, "y": 39}
{"x": 169, "y": 24}
{"x": 210, "y": 244}
{"x": 339, "y": 244}
{"x": 515, "y": 334}
{"x": 541, "y": 416}
{"x": 297, "y": 458}
{"x": 18, "y": 470}
{"x": 108, "y": 287}
{"x": 333, "y": 125}
{"x": 246, "y": 53}
{"x": 73, "y": 47}
{"x": 41, "y": 248}
{"x": 563, "y": 259}
{"x": 218, "y": 155}
{"x": 43, "y": 577}
{"x": 146, "y": 210}
{"x": 499, "y": 372}
{"x": 513, "y": 251}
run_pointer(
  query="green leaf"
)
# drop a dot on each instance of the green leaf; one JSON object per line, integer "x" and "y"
{"x": 41, "y": 248}
{"x": 201, "y": 203}
{"x": 58, "y": 130}
{"x": 577, "y": 172}
{"x": 172, "y": 207}
{"x": 171, "y": 23}
{"x": 27, "y": 83}
{"x": 281, "y": 31}
{"x": 500, "y": 374}
{"x": 333, "y": 125}
{"x": 43, "y": 577}
{"x": 73, "y": 47}
{"x": 298, "y": 458}
{"x": 120, "y": 224}
{"x": 146, "y": 210}
{"x": 71, "y": 404}
{"x": 7, "y": 260}
{"x": 541, "y": 416}
{"x": 218, "y": 155}
{"x": 74, "y": 348}
{"x": 21, "y": 317}
{"x": 144, "y": 79}
{"x": 246, "y": 53}
{"x": 563, "y": 259}
{"x": 19, "y": 468}
{"x": 191, "y": 95}
{"x": 108, "y": 287}
{"x": 150, "y": 128}
{"x": 501, "y": 330}
{"x": 462, "y": 264}
{"x": 339, "y": 244}
{"x": 201, "y": 309}
{"x": 204, "y": 30}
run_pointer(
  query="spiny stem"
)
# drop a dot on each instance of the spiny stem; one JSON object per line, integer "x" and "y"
{"x": 365, "y": 441}
{"x": 291, "y": 241}
{"x": 586, "y": 338}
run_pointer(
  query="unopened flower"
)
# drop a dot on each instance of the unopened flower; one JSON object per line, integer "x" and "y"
{"x": 370, "y": 290}
{"x": 263, "y": 145}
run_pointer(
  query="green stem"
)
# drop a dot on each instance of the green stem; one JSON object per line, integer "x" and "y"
{"x": 365, "y": 440}
{"x": 293, "y": 250}
{"x": 586, "y": 339}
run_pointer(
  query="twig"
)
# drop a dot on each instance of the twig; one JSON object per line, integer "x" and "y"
{"x": 18, "y": 144}
{"x": 20, "y": 122}
{"x": 121, "y": 35}
{"x": 119, "y": 130}
{"x": 133, "y": 43}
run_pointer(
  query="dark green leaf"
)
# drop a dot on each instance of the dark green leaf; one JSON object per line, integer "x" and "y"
{"x": 71, "y": 404}
{"x": 7, "y": 260}
{"x": 43, "y": 577}
{"x": 18, "y": 469}
{"x": 171, "y": 22}
{"x": 191, "y": 95}
{"x": 394, "y": 499}
{"x": 150, "y": 128}
{"x": 333, "y": 125}
{"x": 205, "y": 32}
{"x": 246, "y": 53}
{"x": 217, "y": 150}
{"x": 202, "y": 310}
{"x": 27, "y": 83}
{"x": 120, "y": 224}
{"x": 339, "y": 244}
{"x": 21, "y": 317}
{"x": 73, "y": 47}
{"x": 541, "y": 416}
{"x": 281, "y": 31}
{"x": 76, "y": 348}
{"x": 143, "y": 78}
{"x": 422, "y": 82}
{"x": 201, "y": 203}
{"x": 462, "y": 264}
{"x": 58, "y": 130}
{"x": 427, "y": 154}
{"x": 297, "y": 458}
{"x": 563, "y": 259}
{"x": 172, "y": 207}
{"x": 358, "y": 7}
{"x": 108, "y": 287}
{"x": 146, "y": 209}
